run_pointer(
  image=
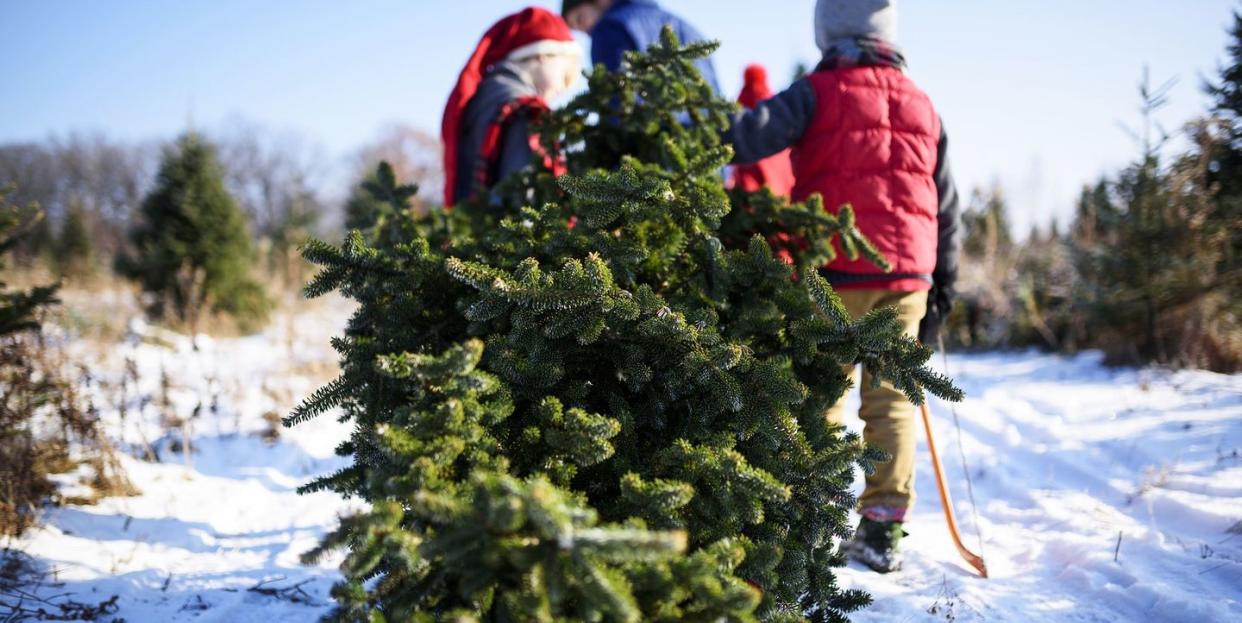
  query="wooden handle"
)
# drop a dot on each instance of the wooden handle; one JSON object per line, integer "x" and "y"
{"x": 945, "y": 502}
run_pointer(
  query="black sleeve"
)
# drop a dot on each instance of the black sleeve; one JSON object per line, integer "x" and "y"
{"x": 949, "y": 245}
{"x": 514, "y": 154}
{"x": 773, "y": 125}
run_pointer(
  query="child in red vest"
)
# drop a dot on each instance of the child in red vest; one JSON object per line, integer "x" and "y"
{"x": 863, "y": 133}
{"x": 522, "y": 62}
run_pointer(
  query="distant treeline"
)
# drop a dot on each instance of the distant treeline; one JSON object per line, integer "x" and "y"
{"x": 1147, "y": 271}
{"x": 89, "y": 187}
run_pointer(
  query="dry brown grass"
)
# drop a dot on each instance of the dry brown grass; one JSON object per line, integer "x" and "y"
{"x": 46, "y": 427}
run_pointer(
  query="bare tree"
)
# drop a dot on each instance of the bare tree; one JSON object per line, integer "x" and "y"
{"x": 274, "y": 177}
{"x": 105, "y": 179}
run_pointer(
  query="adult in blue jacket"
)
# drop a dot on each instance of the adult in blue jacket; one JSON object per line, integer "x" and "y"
{"x": 616, "y": 26}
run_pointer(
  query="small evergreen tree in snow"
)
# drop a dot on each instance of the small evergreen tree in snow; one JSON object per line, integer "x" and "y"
{"x": 74, "y": 252}
{"x": 192, "y": 250}
{"x": 1153, "y": 252}
{"x": 593, "y": 397}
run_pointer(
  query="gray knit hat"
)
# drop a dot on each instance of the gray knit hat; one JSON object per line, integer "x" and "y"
{"x": 842, "y": 19}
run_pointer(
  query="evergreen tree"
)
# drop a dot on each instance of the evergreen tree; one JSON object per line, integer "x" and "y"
{"x": 22, "y": 389}
{"x": 192, "y": 247}
{"x": 1045, "y": 312}
{"x": 598, "y": 397}
{"x": 984, "y": 310}
{"x": 362, "y": 209}
{"x": 1015, "y": 293}
{"x": 18, "y": 309}
{"x": 1221, "y": 142}
{"x": 1226, "y": 96}
{"x": 987, "y": 225}
{"x": 44, "y": 425}
{"x": 1095, "y": 206}
{"x": 74, "y": 252}
{"x": 38, "y": 240}
{"x": 1152, "y": 250}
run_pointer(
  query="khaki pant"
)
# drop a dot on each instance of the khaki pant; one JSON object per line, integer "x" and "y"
{"x": 887, "y": 415}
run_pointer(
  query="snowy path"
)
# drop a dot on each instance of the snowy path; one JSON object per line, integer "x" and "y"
{"x": 1066, "y": 456}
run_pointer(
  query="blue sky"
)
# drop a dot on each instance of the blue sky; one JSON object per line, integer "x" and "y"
{"x": 1031, "y": 90}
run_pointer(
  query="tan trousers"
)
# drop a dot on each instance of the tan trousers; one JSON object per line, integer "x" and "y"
{"x": 887, "y": 415}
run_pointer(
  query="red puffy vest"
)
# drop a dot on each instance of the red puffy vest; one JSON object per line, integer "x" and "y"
{"x": 873, "y": 144}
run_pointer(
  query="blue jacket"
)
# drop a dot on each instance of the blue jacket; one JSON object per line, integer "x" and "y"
{"x": 636, "y": 25}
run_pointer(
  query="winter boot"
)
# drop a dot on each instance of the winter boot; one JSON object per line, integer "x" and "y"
{"x": 875, "y": 544}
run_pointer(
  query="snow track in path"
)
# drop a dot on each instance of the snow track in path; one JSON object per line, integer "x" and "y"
{"x": 1105, "y": 495}
{"x": 1066, "y": 456}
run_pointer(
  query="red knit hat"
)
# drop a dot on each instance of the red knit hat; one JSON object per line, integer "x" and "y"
{"x": 523, "y": 30}
{"x": 755, "y": 87}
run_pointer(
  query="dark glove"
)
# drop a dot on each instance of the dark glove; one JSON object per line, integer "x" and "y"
{"x": 939, "y": 303}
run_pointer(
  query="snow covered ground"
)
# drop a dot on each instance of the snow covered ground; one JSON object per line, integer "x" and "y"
{"x": 216, "y": 531}
{"x": 1104, "y": 494}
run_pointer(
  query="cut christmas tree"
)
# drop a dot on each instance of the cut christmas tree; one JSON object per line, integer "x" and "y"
{"x": 600, "y": 397}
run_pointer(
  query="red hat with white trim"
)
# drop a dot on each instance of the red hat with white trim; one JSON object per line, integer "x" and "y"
{"x": 530, "y": 32}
